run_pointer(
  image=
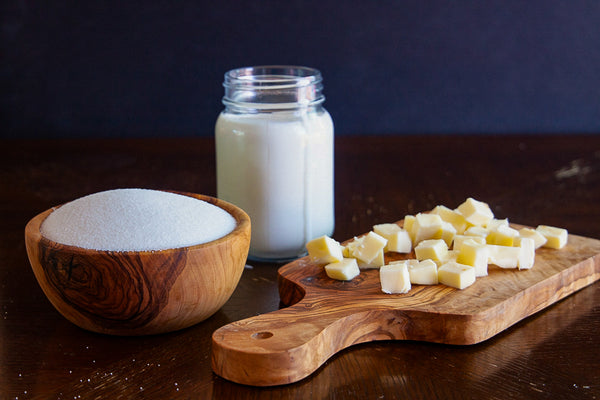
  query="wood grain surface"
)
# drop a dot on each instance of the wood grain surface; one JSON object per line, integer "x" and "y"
{"x": 531, "y": 179}
{"x": 327, "y": 316}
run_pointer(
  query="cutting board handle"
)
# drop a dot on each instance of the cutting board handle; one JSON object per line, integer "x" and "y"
{"x": 287, "y": 345}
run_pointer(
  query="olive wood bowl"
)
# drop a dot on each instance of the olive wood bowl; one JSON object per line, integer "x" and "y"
{"x": 140, "y": 292}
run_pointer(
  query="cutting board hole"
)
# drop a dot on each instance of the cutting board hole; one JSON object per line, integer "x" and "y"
{"x": 262, "y": 335}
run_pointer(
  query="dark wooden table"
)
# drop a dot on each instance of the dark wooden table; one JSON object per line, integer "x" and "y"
{"x": 554, "y": 354}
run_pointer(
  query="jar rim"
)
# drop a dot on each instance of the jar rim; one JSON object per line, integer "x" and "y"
{"x": 271, "y": 87}
{"x": 272, "y": 76}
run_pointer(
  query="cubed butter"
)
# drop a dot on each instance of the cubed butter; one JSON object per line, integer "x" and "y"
{"x": 376, "y": 262}
{"x": 433, "y": 249}
{"x": 394, "y": 278}
{"x": 477, "y": 231}
{"x": 452, "y": 255}
{"x": 348, "y": 248}
{"x": 370, "y": 246}
{"x": 457, "y": 220}
{"x": 476, "y": 212}
{"x": 398, "y": 239}
{"x": 344, "y": 270}
{"x": 494, "y": 223}
{"x": 526, "y": 252}
{"x": 408, "y": 224}
{"x": 460, "y": 239}
{"x": 422, "y": 272}
{"x": 538, "y": 239}
{"x": 448, "y": 233}
{"x": 503, "y": 256}
{"x": 426, "y": 226}
{"x": 556, "y": 238}
{"x": 474, "y": 254}
{"x": 502, "y": 235}
{"x": 324, "y": 250}
{"x": 456, "y": 275}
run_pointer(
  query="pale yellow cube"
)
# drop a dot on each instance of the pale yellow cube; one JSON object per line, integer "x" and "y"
{"x": 538, "y": 239}
{"x": 477, "y": 231}
{"x": 348, "y": 248}
{"x": 408, "y": 224}
{"x": 476, "y": 212}
{"x": 370, "y": 246}
{"x": 556, "y": 238}
{"x": 494, "y": 223}
{"x": 433, "y": 249}
{"x": 448, "y": 233}
{"x": 503, "y": 256}
{"x": 344, "y": 270}
{"x": 457, "y": 220}
{"x": 526, "y": 252}
{"x": 474, "y": 254}
{"x": 398, "y": 239}
{"x": 394, "y": 278}
{"x": 426, "y": 226}
{"x": 456, "y": 275}
{"x": 324, "y": 250}
{"x": 450, "y": 256}
{"x": 460, "y": 239}
{"x": 422, "y": 272}
{"x": 376, "y": 262}
{"x": 502, "y": 235}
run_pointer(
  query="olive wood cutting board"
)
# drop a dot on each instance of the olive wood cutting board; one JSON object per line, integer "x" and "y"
{"x": 326, "y": 316}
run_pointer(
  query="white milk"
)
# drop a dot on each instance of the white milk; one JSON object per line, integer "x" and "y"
{"x": 278, "y": 167}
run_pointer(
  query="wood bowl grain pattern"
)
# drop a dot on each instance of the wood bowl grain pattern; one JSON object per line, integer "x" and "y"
{"x": 140, "y": 292}
{"x": 326, "y": 316}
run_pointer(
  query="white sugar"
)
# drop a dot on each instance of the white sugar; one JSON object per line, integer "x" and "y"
{"x": 136, "y": 220}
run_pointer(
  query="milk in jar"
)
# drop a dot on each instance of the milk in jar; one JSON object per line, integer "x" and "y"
{"x": 274, "y": 153}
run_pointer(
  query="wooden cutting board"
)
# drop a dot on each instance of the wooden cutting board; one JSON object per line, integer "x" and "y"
{"x": 326, "y": 316}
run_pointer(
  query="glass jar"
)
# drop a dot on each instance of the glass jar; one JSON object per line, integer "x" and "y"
{"x": 274, "y": 153}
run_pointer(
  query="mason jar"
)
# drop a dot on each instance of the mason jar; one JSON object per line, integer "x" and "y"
{"x": 274, "y": 154}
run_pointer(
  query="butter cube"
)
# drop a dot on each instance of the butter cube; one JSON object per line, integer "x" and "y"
{"x": 450, "y": 256}
{"x": 369, "y": 247}
{"x": 477, "y": 231}
{"x": 526, "y": 253}
{"x": 502, "y": 235}
{"x": 394, "y": 278}
{"x": 456, "y": 275}
{"x": 503, "y": 256}
{"x": 422, "y": 272}
{"x": 494, "y": 223}
{"x": 448, "y": 233}
{"x": 474, "y": 254}
{"x": 537, "y": 237}
{"x": 433, "y": 249}
{"x": 476, "y": 212}
{"x": 324, "y": 250}
{"x": 376, "y": 262}
{"x": 556, "y": 238}
{"x": 344, "y": 270}
{"x": 408, "y": 224}
{"x": 460, "y": 239}
{"x": 427, "y": 226}
{"x": 348, "y": 248}
{"x": 398, "y": 239}
{"x": 457, "y": 220}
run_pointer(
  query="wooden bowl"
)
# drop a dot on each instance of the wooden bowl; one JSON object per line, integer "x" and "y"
{"x": 140, "y": 292}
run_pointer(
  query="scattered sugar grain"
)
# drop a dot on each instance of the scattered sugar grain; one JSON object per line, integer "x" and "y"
{"x": 136, "y": 220}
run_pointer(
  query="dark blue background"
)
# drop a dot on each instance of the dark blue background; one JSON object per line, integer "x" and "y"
{"x": 128, "y": 68}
